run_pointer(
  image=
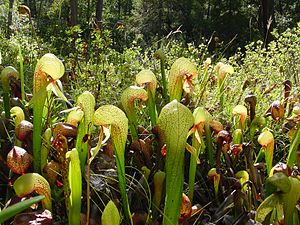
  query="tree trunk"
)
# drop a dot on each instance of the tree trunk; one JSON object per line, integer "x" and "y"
{"x": 74, "y": 20}
{"x": 119, "y": 9}
{"x": 88, "y": 11}
{"x": 39, "y": 10}
{"x": 99, "y": 12}
{"x": 32, "y": 6}
{"x": 9, "y": 18}
{"x": 160, "y": 17}
{"x": 74, "y": 12}
{"x": 187, "y": 22}
{"x": 268, "y": 19}
{"x": 208, "y": 10}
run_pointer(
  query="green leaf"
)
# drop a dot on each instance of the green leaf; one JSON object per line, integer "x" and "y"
{"x": 181, "y": 67}
{"x": 290, "y": 200}
{"x": 14, "y": 209}
{"x": 86, "y": 102}
{"x": 110, "y": 215}
{"x": 116, "y": 118}
{"x": 34, "y": 182}
{"x": 55, "y": 89}
{"x": 17, "y": 114}
{"x": 293, "y": 148}
{"x": 174, "y": 121}
{"x": 5, "y": 76}
{"x": 147, "y": 77}
{"x": 128, "y": 98}
{"x": 95, "y": 150}
{"x": 51, "y": 65}
{"x": 266, "y": 207}
{"x": 75, "y": 183}
{"x": 7, "y": 73}
{"x": 112, "y": 115}
{"x": 280, "y": 181}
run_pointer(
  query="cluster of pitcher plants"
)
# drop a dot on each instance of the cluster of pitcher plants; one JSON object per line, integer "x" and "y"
{"x": 163, "y": 157}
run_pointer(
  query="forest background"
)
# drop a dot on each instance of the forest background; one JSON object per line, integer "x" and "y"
{"x": 211, "y": 22}
{"x": 103, "y": 32}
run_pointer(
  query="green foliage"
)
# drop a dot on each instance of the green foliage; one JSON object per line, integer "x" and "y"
{"x": 278, "y": 63}
{"x": 110, "y": 215}
{"x": 13, "y": 210}
{"x": 292, "y": 157}
{"x": 282, "y": 202}
{"x": 21, "y": 37}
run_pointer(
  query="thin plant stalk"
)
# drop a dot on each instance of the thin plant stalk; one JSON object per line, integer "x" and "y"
{"x": 120, "y": 162}
{"x": 152, "y": 108}
{"x": 75, "y": 185}
{"x": 293, "y": 148}
{"x": 147, "y": 79}
{"x": 209, "y": 144}
{"x": 205, "y": 78}
{"x": 193, "y": 166}
{"x": 133, "y": 126}
{"x": 38, "y": 122}
{"x": 88, "y": 187}
{"x": 164, "y": 79}
{"x": 223, "y": 70}
{"x": 159, "y": 54}
{"x": 22, "y": 74}
{"x": 200, "y": 117}
{"x": 221, "y": 84}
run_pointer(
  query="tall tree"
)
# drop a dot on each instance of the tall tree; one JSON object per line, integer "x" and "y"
{"x": 99, "y": 12}
{"x": 74, "y": 19}
{"x": 74, "y": 12}
{"x": 186, "y": 9}
{"x": 267, "y": 19}
{"x": 32, "y": 6}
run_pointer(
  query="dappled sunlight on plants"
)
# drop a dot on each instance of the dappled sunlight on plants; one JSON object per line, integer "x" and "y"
{"x": 200, "y": 139}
